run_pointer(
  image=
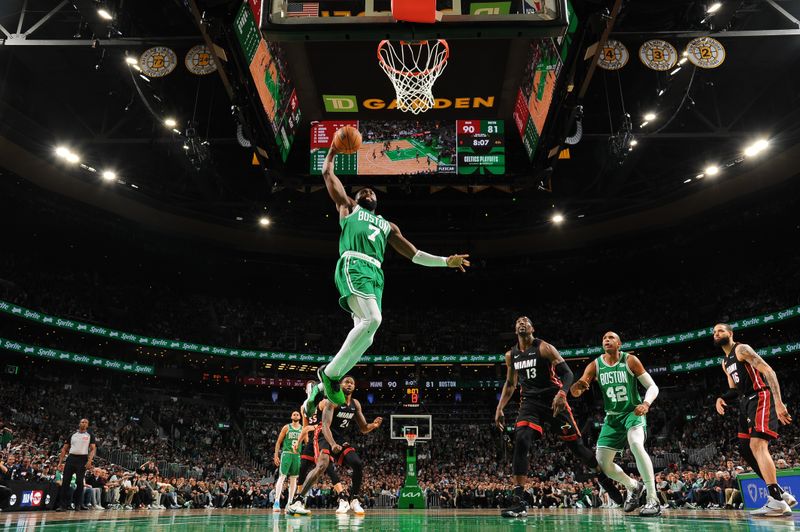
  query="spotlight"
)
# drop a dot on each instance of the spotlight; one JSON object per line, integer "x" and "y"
{"x": 675, "y": 71}
{"x": 62, "y": 152}
{"x": 714, "y": 7}
{"x": 170, "y": 122}
{"x": 263, "y": 221}
{"x": 72, "y": 158}
{"x": 557, "y": 218}
{"x": 711, "y": 170}
{"x": 687, "y": 181}
{"x": 756, "y": 148}
{"x": 131, "y": 60}
{"x": 634, "y": 142}
{"x": 699, "y": 176}
{"x": 644, "y": 123}
{"x": 683, "y": 60}
{"x": 650, "y": 116}
{"x": 105, "y": 15}
{"x": 108, "y": 175}
{"x": 661, "y": 92}
{"x": 685, "y": 53}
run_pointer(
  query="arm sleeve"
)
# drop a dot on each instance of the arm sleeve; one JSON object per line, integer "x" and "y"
{"x": 652, "y": 390}
{"x": 730, "y": 394}
{"x": 426, "y": 259}
{"x": 564, "y": 375}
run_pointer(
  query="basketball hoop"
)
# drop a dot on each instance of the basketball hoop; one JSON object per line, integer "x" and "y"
{"x": 411, "y": 438}
{"x": 413, "y": 67}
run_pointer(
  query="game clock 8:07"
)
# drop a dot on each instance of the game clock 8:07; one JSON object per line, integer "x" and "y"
{"x": 411, "y": 397}
{"x": 481, "y": 147}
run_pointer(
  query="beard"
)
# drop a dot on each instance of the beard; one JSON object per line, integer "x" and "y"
{"x": 722, "y": 342}
{"x": 365, "y": 203}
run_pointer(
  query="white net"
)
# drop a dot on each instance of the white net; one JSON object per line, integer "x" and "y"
{"x": 413, "y": 67}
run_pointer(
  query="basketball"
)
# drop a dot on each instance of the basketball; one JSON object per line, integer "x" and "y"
{"x": 346, "y": 140}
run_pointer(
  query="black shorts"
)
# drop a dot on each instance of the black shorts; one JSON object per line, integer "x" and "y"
{"x": 307, "y": 453}
{"x": 534, "y": 413}
{"x": 321, "y": 446}
{"x": 757, "y": 417}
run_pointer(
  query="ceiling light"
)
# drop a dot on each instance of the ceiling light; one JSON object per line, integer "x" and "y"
{"x": 557, "y": 218}
{"x": 62, "y": 152}
{"x": 650, "y": 116}
{"x": 661, "y": 91}
{"x": 714, "y": 7}
{"x": 144, "y": 78}
{"x": 761, "y": 144}
{"x": 683, "y": 60}
{"x": 634, "y": 142}
{"x": 170, "y": 122}
{"x": 104, "y": 14}
{"x": 263, "y": 221}
{"x": 675, "y": 71}
{"x": 685, "y": 53}
{"x": 176, "y": 131}
{"x": 756, "y": 148}
{"x": 108, "y": 175}
{"x": 136, "y": 67}
{"x": 73, "y": 158}
{"x": 688, "y": 181}
{"x": 711, "y": 170}
{"x": 131, "y": 60}
{"x": 699, "y": 176}
{"x": 644, "y": 123}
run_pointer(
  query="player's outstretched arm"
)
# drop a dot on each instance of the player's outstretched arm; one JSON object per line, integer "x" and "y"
{"x": 508, "y": 391}
{"x": 746, "y": 353}
{"x": 363, "y": 426}
{"x": 565, "y": 375}
{"x": 327, "y": 418}
{"x": 344, "y": 203}
{"x": 729, "y": 395}
{"x": 281, "y": 436}
{"x": 409, "y": 251}
{"x": 582, "y": 384}
{"x": 647, "y": 381}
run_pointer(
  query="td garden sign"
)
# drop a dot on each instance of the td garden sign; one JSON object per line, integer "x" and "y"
{"x": 348, "y": 103}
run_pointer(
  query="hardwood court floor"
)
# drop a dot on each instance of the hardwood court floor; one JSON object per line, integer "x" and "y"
{"x": 394, "y": 520}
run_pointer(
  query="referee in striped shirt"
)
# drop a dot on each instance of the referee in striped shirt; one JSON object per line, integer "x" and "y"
{"x": 79, "y": 449}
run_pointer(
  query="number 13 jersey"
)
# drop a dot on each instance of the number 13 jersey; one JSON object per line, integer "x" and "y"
{"x": 535, "y": 374}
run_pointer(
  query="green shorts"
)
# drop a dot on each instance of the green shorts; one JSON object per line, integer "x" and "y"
{"x": 614, "y": 434}
{"x": 359, "y": 277}
{"x": 290, "y": 464}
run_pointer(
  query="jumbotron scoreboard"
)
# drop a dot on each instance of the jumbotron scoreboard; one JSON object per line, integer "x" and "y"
{"x": 481, "y": 147}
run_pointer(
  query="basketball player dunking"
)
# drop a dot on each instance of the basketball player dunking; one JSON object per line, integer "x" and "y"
{"x": 359, "y": 278}
{"x": 755, "y": 383}
{"x": 331, "y": 443}
{"x": 544, "y": 379}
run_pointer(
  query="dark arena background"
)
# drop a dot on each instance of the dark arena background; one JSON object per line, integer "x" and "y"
{"x": 169, "y": 246}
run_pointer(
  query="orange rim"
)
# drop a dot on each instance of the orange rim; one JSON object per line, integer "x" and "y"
{"x": 414, "y": 43}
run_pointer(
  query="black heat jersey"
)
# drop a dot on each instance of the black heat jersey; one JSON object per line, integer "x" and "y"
{"x": 535, "y": 374}
{"x": 746, "y": 378}
{"x": 343, "y": 420}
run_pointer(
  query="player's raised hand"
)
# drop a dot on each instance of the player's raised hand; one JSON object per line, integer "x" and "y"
{"x": 500, "y": 420}
{"x": 578, "y": 387}
{"x": 377, "y": 422}
{"x": 783, "y": 414}
{"x": 722, "y": 405}
{"x": 458, "y": 261}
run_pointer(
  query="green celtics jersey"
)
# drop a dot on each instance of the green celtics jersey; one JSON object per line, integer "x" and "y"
{"x": 364, "y": 232}
{"x": 291, "y": 443}
{"x": 618, "y": 384}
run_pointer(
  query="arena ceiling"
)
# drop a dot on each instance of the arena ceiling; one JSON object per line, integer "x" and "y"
{"x": 66, "y": 83}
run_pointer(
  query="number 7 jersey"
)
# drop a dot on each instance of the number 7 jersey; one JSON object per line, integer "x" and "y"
{"x": 364, "y": 232}
{"x": 618, "y": 385}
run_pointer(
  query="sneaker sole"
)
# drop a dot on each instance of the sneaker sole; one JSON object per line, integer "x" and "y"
{"x": 334, "y": 396}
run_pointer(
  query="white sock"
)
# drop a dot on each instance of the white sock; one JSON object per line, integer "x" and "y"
{"x": 605, "y": 457}
{"x": 366, "y": 320}
{"x": 643, "y": 462}
{"x": 279, "y": 489}
{"x": 292, "y": 488}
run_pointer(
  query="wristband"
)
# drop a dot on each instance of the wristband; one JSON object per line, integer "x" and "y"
{"x": 730, "y": 394}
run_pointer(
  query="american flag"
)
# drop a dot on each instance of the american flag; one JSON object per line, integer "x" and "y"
{"x": 303, "y": 9}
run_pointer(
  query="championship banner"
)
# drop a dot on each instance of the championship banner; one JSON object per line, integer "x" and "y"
{"x": 179, "y": 345}
{"x": 705, "y": 52}
{"x": 199, "y": 61}
{"x": 158, "y": 61}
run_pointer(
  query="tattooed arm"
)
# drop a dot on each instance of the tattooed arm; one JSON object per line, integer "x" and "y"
{"x": 745, "y": 353}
